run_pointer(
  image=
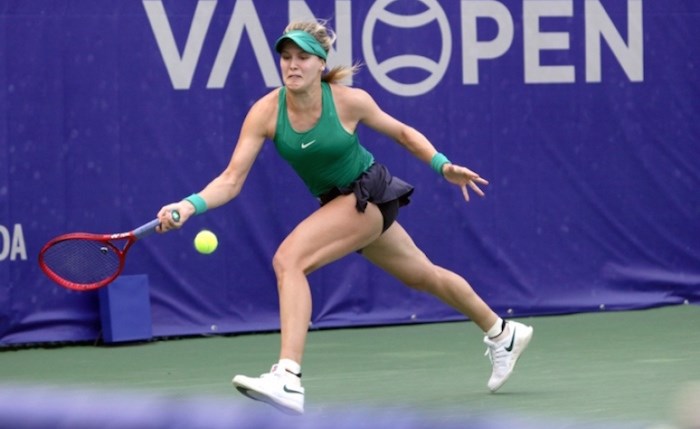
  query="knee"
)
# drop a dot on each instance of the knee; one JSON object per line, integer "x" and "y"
{"x": 281, "y": 262}
{"x": 286, "y": 262}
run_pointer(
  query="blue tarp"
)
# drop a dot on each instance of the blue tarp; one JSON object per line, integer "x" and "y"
{"x": 582, "y": 114}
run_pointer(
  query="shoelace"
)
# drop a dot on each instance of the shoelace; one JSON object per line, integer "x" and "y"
{"x": 496, "y": 354}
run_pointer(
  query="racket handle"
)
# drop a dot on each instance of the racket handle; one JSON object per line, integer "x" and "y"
{"x": 151, "y": 226}
{"x": 146, "y": 229}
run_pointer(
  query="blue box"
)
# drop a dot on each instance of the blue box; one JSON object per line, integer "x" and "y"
{"x": 125, "y": 310}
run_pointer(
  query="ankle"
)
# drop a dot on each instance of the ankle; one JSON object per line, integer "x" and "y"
{"x": 505, "y": 333}
{"x": 290, "y": 367}
{"x": 498, "y": 328}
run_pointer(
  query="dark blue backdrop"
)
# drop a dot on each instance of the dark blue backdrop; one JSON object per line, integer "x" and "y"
{"x": 582, "y": 114}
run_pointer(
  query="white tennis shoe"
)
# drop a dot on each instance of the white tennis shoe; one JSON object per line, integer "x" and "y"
{"x": 279, "y": 388}
{"x": 505, "y": 353}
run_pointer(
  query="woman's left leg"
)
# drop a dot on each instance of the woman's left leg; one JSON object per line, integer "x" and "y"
{"x": 397, "y": 254}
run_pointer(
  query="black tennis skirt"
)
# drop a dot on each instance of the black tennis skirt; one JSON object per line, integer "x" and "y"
{"x": 376, "y": 185}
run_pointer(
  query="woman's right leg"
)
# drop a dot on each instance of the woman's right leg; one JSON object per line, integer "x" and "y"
{"x": 331, "y": 232}
{"x": 328, "y": 234}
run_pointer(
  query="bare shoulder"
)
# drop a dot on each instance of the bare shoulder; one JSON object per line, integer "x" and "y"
{"x": 349, "y": 95}
{"x": 263, "y": 113}
{"x": 352, "y": 103}
{"x": 267, "y": 103}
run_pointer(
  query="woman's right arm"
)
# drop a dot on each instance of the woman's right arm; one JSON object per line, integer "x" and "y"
{"x": 258, "y": 126}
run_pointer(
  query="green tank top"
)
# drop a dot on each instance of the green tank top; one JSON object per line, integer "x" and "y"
{"x": 326, "y": 156}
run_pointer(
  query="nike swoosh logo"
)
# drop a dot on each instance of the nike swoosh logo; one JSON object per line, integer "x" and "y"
{"x": 512, "y": 342}
{"x": 288, "y": 390}
{"x": 305, "y": 145}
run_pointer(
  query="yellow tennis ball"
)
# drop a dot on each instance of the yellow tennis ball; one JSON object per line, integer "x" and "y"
{"x": 205, "y": 242}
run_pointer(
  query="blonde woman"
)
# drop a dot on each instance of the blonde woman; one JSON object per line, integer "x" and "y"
{"x": 313, "y": 122}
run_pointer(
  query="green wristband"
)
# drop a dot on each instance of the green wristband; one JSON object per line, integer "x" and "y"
{"x": 200, "y": 206}
{"x": 438, "y": 161}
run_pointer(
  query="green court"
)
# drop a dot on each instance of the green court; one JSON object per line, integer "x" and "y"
{"x": 602, "y": 367}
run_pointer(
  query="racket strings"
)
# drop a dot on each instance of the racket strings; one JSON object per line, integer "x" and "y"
{"x": 82, "y": 261}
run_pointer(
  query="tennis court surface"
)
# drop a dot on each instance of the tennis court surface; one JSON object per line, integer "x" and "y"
{"x": 608, "y": 369}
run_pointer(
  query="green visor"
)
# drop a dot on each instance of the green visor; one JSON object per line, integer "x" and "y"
{"x": 303, "y": 40}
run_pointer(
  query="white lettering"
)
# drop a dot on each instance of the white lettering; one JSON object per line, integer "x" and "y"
{"x": 244, "y": 16}
{"x": 599, "y": 25}
{"x": 535, "y": 41}
{"x": 472, "y": 49}
{"x": 180, "y": 68}
{"x": 13, "y": 245}
{"x": 5, "y": 249}
{"x": 537, "y": 68}
{"x": 19, "y": 248}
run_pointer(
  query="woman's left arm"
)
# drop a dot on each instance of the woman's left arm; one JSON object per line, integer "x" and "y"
{"x": 369, "y": 113}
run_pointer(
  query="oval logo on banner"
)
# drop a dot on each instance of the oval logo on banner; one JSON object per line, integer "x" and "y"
{"x": 380, "y": 70}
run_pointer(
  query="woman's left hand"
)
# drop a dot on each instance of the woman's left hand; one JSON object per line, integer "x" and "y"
{"x": 465, "y": 178}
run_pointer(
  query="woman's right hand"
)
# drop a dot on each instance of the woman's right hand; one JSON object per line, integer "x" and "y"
{"x": 168, "y": 221}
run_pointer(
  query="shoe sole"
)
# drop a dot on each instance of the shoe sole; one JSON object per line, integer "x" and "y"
{"x": 521, "y": 346}
{"x": 261, "y": 397}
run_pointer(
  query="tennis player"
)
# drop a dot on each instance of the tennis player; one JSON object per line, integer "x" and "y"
{"x": 313, "y": 122}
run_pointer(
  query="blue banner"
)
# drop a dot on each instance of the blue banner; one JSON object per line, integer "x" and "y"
{"x": 582, "y": 114}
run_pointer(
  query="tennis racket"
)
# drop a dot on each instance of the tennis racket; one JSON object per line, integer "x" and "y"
{"x": 82, "y": 261}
